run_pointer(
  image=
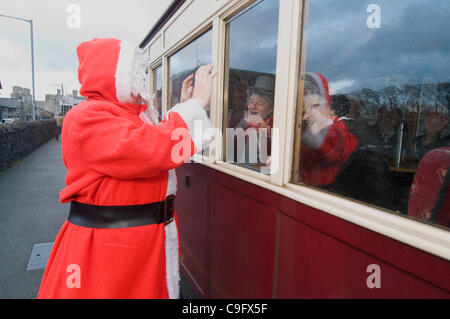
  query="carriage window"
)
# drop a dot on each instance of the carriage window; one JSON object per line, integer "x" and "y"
{"x": 158, "y": 89}
{"x": 186, "y": 62}
{"x": 250, "y": 84}
{"x": 374, "y": 104}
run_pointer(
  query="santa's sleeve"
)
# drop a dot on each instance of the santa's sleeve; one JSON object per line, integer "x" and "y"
{"x": 118, "y": 147}
{"x": 197, "y": 121}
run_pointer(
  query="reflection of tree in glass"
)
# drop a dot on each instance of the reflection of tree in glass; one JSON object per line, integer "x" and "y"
{"x": 413, "y": 100}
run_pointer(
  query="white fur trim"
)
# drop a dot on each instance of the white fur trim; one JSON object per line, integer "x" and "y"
{"x": 123, "y": 72}
{"x": 172, "y": 263}
{"x": 171, "y": 183}
{"x": 197, "y": 121}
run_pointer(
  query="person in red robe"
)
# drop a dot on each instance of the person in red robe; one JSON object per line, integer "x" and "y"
{"x": 326, "y": 141}
{"x": 118, "y": 241}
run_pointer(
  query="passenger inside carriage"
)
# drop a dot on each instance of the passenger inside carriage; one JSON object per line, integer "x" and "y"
{"x": 365, "y": 175}
{"x": 435, "y": 123}
{"x": 259, "y": 110}
{"x": 326, "y": 142}
{"x": 252, "y": 133}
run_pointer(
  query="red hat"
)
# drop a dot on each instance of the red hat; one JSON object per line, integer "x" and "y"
{"x": 320, "y": 84}
{"x": 105, "y": 69}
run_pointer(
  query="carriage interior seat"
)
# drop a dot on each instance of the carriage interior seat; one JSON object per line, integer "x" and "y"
{"x": 429, "y": 197}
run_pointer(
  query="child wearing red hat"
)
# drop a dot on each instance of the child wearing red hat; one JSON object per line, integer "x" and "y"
{"x": 326, "y": 141}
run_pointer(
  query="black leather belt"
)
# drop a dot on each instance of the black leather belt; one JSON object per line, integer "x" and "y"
{"x": 122, "y": 216}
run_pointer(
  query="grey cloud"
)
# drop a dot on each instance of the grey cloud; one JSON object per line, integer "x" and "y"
{"x": 253, "y": 38}
{"x": 412, "y": 44}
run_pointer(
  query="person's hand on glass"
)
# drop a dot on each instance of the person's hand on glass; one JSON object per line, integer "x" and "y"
{"x": 203, "y": 84}
{"x": 187, "y": 89}
{"x": 254, "y": 120}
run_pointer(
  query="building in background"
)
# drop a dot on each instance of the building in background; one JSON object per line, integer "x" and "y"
{"x": 10, "y": 108}
{"x": 60, "y": 103}
{"x": 20, "y": 104}
{"x": 26, "y": 99}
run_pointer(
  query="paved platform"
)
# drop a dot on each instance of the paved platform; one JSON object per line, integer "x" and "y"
{"x": 30, "y": 213}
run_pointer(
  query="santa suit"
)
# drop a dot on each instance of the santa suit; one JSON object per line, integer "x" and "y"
{"x": 320, "y": 166}
{"x": 114, "y": 157}
{"x": 322, "y": 153}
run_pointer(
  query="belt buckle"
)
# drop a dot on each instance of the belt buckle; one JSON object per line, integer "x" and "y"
{"x": 170, "y": 201}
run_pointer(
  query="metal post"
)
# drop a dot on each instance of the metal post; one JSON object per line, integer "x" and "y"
{"x": 32, "y": 58}
{"x": 32, "y": 70}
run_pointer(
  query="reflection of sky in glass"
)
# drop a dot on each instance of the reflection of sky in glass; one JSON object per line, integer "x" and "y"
{"x": 186, "y": 61}
{"x": 158, "y": 74}
{"x": 411, "y": 47}
{"x": 193, "y": 55}
{"x": 159, "y": 78}
{"x": 253, "y": 38}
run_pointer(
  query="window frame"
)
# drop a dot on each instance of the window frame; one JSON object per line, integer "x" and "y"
{"x": 428, "y": 237}
{"x": 424, "y": 235}
{"x": 188, "y": 39}
{"x": 153, "y": 79}
{"x": 222, "y": 92}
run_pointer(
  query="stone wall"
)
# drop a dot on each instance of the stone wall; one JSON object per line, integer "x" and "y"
{"x": 19, "y": 139}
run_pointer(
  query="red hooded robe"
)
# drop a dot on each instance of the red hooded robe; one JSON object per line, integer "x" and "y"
{"x": 114, "y": 157}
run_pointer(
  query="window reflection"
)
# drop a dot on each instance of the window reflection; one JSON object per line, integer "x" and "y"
{"x": 250, "y": 85}
{"x": 326, "y": 140}
{"x": 186, "y": 62}
{"x": 388, "y": 104}
{"x": 158, "y": 90}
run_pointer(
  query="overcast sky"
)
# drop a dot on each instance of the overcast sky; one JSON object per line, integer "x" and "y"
{"x": 412, "y": 45}
{"x": 55, "y": 42}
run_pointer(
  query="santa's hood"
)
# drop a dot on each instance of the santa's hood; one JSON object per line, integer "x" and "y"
{"x": 105, "y": 69}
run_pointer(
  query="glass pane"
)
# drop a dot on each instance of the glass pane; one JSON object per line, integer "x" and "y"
{"x": 375, "y": 104}
{"x": 250, "y": 85}
{"x": 186, "y": 61}
{"x": 158, "y": 88}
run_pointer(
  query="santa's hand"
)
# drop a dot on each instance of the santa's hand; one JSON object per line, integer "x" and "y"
{"x": 203, "y": 84}
{"x": 187, "y": 89}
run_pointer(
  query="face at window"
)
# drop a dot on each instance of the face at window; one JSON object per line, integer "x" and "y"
{"x": 314, "y": 109}
{"x": 258, "y": 105}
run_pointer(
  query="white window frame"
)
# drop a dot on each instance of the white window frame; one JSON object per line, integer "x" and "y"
{"x": 425, "y": 236}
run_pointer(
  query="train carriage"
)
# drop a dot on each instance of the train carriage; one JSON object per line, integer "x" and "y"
{"x": 347, "y": 106}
